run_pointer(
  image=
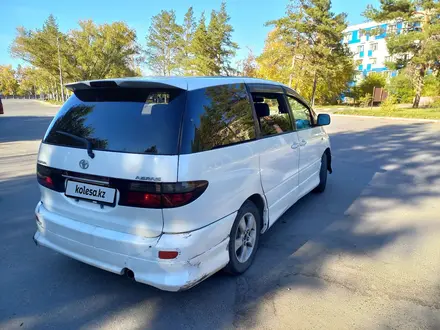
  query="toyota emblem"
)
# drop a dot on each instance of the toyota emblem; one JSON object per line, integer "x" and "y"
{"x": 84, "y": 164}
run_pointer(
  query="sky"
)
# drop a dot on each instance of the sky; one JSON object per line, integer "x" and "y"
{"x": 247, "y": 17}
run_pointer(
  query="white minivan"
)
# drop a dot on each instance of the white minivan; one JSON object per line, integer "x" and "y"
{"x": 168, "y": 180}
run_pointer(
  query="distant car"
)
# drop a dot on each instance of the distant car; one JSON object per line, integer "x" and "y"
{"x": 1, "y": 107}
{"x": 168, "y": 180}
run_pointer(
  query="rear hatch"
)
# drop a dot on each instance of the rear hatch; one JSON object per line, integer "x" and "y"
{"x": 107, "y": 153}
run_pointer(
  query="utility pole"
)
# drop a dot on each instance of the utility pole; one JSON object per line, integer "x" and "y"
{"x": 59, "y": 67}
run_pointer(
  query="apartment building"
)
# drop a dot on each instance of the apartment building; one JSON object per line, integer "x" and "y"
{"x": 368, "y": 45}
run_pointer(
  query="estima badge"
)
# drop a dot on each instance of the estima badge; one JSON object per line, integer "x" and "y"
{"x": 84, "y": 164}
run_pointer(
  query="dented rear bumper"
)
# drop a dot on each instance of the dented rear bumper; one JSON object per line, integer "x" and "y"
{"x": 201, "y": 252}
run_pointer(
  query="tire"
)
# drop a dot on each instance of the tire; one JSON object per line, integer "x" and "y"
{"x": 322, "y": 175}
{"x": 240, "y": 259}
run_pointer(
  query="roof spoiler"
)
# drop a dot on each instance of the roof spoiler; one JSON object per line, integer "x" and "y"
{"x": 122, "y": 83}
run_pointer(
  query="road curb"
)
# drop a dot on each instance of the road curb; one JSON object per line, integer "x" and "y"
{"x": 392, "y": 118}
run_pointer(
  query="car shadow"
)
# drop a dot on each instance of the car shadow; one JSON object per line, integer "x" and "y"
{"x": 43, "y": 289}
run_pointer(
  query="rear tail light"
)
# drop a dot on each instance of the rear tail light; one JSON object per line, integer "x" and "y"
{"x": 50, "y": 178}
{"x": 140, "y": 199}
{"x": 162, "y": 195}
{"x": 132, "y": 193}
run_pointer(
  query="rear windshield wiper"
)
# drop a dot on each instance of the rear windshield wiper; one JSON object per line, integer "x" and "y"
{"x": 87, "y": 142}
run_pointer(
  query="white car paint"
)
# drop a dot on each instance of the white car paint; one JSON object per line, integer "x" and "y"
{"x": 313, "y": 142}
{"x": 277, "y": 169}
{"x": 279, "y": 159}
{"x": 229, "y": 173}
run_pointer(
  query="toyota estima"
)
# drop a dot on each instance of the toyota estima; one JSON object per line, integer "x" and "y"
{"x": 169, "y": 180}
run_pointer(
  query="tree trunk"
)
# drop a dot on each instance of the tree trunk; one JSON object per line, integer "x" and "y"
{"x": 291, "y": 69}
{"x": 315, "y": 81}
{"x": 419, "y": 86}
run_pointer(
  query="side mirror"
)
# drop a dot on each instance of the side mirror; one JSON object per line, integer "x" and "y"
{"x": 323, "y": 119}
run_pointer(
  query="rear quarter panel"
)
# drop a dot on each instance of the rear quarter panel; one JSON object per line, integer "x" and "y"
{"x": 233, "y": 174}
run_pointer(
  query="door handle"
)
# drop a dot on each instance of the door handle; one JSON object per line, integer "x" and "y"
{"x": 295, "y": 146}
{"x": 302, "y": 143}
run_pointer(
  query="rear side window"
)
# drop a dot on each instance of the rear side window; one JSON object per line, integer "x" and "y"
{"x": 272, "y": 113}
{"x": 121, "y": 119}
{"x": 216, "y": 117}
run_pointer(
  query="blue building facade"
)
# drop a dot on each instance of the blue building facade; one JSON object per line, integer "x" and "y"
{"x": 367, "y": 42}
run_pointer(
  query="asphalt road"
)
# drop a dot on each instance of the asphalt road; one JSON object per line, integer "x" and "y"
{"x": 363, "y": 255}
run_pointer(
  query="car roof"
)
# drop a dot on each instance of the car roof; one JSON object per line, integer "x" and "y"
{"x": 185, "y": 83}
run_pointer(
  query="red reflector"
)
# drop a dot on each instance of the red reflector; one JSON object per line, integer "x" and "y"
{"x": 175, "y": 200}
{"x": 144, "y": 199}
{"x": 48, "y": 181}
{"x": 168, "y": 254}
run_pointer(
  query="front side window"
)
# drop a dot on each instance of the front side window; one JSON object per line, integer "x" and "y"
{"x": 373, "y": 46}
{"x": 301, "y": 114}
{"x": 360, "y": 48}
{"x": 216, "y": 117}
{"x": 272, "y": 113}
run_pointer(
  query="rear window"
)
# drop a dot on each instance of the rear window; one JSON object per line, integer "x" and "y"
{"x": 121, "y": 119}
{"x": 216, "y": 117}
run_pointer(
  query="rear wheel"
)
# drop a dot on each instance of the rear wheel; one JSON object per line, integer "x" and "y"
{"x": 322, "y": 175}
{"x": 244, "y": 238}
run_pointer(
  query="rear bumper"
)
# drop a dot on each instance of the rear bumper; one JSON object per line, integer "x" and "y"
{"x": 201, "y": 252}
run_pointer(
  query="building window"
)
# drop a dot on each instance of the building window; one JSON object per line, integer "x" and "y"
{"x": 360, "y": 48}
{"x": 373, "y": 60}
{"x": 347, "y": 36}
{"x": 392, "y": 28}
{"x": 374, "y": 46}
{"x": 361, "y": 33}
{"x": 388, "y": 59}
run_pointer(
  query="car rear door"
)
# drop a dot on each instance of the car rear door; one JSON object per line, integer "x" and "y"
{"x": 133, "y": 134}
{"x": 278, "y": 147}
{"x": 311, "y": 144}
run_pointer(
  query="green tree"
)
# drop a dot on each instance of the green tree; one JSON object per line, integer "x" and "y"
{"x": 164, "y": 43}
{"x": 274, "y": 62}
{"x": 200, "y": 62}
{"x": 312, "y": 33}
{"x": 8, "y": 80}
{"x": 402, "y": 87}
{"x": 212, "y": 47}
{"x": 101, "y": 51}
{"x": 431, "y": 86}
{"x": 27, "y": 79}
{"x": 418, "y": 46}
{"x": 374, "y": 79}
{"x": 39, "y": 47}
{"x": 222, "y": 47}
{"x": 90, "y": 52}
{"x": 248, "y": 66}
{"x": 366, "y": 86}
{"x": 188, "y": 29}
